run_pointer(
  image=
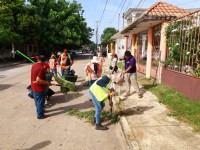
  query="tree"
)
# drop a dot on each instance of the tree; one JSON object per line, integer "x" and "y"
{"x": 48, "y": 23}
{"x": 62, "y": 23}
{"x": 107, "y": 33}
{"x": 92, "y": 45}
{"x": 10, "y": 12}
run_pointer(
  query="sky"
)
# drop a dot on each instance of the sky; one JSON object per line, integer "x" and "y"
{"x": 93, "y": 10}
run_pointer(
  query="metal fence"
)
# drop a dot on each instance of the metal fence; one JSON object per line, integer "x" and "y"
{"x": 183, "y": 42}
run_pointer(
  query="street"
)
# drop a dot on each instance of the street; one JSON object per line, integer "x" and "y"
{"x": 20, "y": 129}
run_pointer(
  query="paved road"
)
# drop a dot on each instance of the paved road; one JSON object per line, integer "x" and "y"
{"x": 19, "y": 128}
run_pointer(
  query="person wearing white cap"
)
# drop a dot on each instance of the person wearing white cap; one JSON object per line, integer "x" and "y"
{"x": 93, "y": 70}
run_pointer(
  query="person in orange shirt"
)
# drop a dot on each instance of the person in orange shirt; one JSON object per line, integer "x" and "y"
{"x": 52, "y": 64}
{"x": 66, "y": 61}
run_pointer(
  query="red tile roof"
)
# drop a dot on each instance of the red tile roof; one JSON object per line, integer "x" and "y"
{"x": 165, "y": 9}
{"x": 158, "y": 11}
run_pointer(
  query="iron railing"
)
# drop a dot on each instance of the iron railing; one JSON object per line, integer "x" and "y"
{"x": 183, "y": 41}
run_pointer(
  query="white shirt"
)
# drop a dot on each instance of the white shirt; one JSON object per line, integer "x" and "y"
{"x": 113, "y": 62}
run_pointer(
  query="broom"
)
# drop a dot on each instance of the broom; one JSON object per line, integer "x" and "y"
{"x": 67, "y": 85}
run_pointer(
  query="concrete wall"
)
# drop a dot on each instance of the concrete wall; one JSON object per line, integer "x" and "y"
{"x": 187, "y": 85}
{"x": 120, "y": 47}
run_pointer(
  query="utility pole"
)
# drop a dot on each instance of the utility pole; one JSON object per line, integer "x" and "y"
{"x": 118, "y": 21}
{"x": 97, "y": 35}
{"x": 123, "y": 20}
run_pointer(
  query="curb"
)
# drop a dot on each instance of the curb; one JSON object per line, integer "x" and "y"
{"x": 11, "y": 64}
{"x": 126, "y": 130}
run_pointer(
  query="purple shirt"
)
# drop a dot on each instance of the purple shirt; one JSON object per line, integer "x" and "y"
{"x": 130, "y": 62}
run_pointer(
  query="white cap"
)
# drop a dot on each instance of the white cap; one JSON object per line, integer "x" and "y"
{"x": 95, "y": 59}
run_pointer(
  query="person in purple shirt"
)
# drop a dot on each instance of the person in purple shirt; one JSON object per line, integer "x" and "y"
{"x": 131, "y": 73}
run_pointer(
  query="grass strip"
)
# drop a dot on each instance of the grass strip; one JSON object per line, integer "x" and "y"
{"x": 89, "y": 115}
{"x": 180, "y": 106}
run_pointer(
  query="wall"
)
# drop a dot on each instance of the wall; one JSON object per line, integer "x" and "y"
{"x": 187, "y": 85}
{"x": 120, "y": 47}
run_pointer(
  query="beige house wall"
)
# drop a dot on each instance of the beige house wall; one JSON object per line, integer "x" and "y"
{"x": 149, "y": 52}
{"x": 133, "y": 44}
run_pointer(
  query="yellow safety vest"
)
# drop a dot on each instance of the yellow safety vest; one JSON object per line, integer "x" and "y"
{"x": 51, "y": 63}
{"x": 69, "y": 56}
{"x": 64, "y": 59}
{"x": 99, "y": 92}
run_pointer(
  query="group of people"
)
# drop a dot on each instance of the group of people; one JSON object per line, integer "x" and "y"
{"x": 100, "y": 86}
{"x": 65, "y": 60}
{"x": 41, "y": 74}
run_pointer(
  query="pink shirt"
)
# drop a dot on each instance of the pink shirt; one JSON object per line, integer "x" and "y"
{"x": 93, "y": 75}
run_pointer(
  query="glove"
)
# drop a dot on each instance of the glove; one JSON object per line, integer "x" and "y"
{"x": 111, "y": 89}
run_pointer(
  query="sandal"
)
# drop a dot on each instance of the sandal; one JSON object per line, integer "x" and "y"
{"x": 126, "y": 94}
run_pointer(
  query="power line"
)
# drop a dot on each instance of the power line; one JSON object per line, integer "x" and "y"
{"x": 186, "y": 2}
{"x": 139, "y": 3}
{"x": 128, "y": 5}
{"x": 116, "y": 12}
{"x": 122, "y": 6}
{"x": 103, "y": 12}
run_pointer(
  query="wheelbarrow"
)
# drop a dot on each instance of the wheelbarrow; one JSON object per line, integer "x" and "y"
{"x": 66, "y": 85}
{"x": 48, "y": 94}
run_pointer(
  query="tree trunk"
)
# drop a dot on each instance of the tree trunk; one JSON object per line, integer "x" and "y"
{"x": 13, "y": 50}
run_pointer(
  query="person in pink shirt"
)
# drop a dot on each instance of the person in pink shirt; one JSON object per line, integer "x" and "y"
{"x": 93, "y": 70}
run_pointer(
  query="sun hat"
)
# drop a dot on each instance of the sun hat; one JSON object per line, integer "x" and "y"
{"x": 95, "y": 59}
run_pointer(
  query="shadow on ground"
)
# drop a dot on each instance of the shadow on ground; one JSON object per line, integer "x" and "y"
{"x": 147, "y": 87}
{"x": 65, "y": 99}
{"x": 139, "y": 110}
{"x": 82, "y": 88}
{"x": 40, "y": 145}
{"x": 4, "y": 68}
{"x": 2, "y": 76}
{"x": 5, "y": 86}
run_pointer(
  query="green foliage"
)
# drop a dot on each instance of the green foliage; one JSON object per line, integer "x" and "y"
{"x": 121, "y": 65}
{"x": 48, "y": 23}
{"x": 89, "y": 115}
{"x": 92, "y": 45}
{"x": 181, "y": 107}
{"x": 182, "y": 42}
{"x": 10, "y": 12}
{"x": 107, "y": 33}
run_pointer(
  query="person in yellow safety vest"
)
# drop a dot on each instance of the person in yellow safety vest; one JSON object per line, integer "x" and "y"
{"x": 53, "y": 64}
{"x": 99, "y": 93}
{"x": 66, "y": 60}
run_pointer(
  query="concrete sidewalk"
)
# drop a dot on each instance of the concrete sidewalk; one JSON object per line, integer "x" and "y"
{"x": 146, "y": 125}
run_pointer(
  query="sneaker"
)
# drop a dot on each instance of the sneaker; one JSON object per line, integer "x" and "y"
{"x": 94, "y": 120}
{"x": 43, "y": 117}
{"x": 31, "y": 96}
{"x": 100, "y": 127}
{"x": 140, "y": 95}
{"x": 126, "y": 94}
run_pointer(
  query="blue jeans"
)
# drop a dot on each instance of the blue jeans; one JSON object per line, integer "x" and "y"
{"x": 39, "y": 103}
{"x": 91, "y": 82}
{"x": 98, "y": 106}
{"x": 65, "y": 71}
{"x": 54, "y": 71}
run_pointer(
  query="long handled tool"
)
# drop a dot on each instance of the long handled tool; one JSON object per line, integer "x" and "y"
{"x": 111, "y": 104}
{"x": 25, "y": 56}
